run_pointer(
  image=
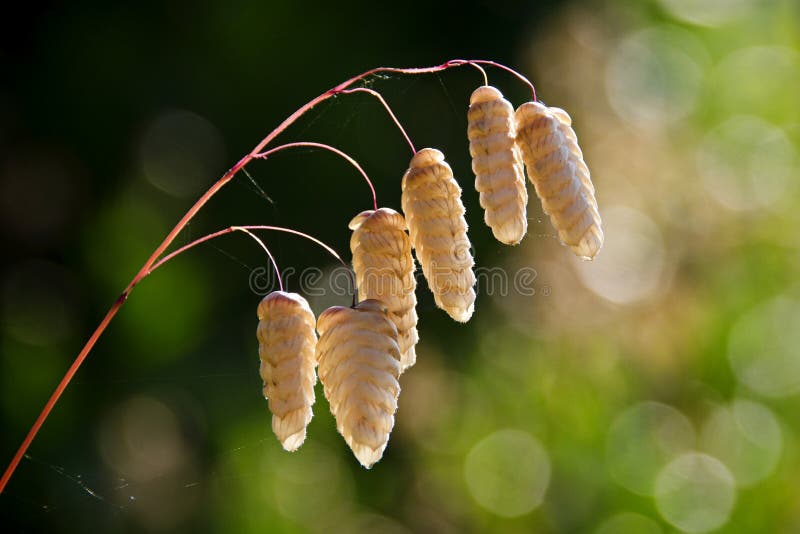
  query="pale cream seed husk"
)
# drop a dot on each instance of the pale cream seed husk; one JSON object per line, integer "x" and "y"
{"x": 384, "y": 269}
{"x": 555, "y": 165}
{"x": 286, "y": 346}
{"x": 359, "y": 367}
{"x": 497, "y": 164}
{"x": 431, "y": 201}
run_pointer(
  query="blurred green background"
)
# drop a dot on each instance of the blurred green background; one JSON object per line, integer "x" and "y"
{"x": 654, "y": 390}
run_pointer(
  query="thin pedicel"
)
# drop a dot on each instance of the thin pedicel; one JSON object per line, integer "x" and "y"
{"x": 354, "y": 163}
{"x": 377, "y": 95}
{"x": 269, "y": 254}
{"x": 246, "y": 229}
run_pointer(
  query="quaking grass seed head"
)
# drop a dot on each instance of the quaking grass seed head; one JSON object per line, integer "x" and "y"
{"x": 431, "y": 200}
{"x": 555, "y": 166}
{"x": 359, "y": 367}
{"x": 286, "y": 346}
{"x": 384, "y": 269}
{"x": 359, "y": 352}
{"x": 497, "y": 164}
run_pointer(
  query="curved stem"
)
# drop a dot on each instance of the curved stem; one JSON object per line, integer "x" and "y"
{"x": 522, "y": 78}
{"x": 247, "y": 229}
{"x": 482, "y": 71}
{"x": 61, "y": 387}
{"x": 377, "y": 95}
{"x": 271, "y": 257}
{"x": 189, "y": 215}
{"x": 354, "y": 163}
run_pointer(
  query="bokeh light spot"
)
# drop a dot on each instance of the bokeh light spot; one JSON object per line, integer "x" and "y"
{"x": 141, "y": 439}
{"x": 758, "y": 80}
{"x": 708, "y": 12}
{"x": 654, "y": 76}
{"x": 764, "y": 348}
{"x": 695, "y": 493}
{"x": 642, "y": 439}
{"x": 142, "y": 442}
{"x": 181, "y": 153}
{"x": 508, "y": 473}
{"x": 36, "y": 306}
{"x": 40, "y": 193}
{"x": 629, "y": 523}
{"x": 630, "y": 266}
{"x": 374, "y": 523}
{"x": 310, "y": 486}
{"x": 746, "y": 163}
{"x": 747, "y": 437}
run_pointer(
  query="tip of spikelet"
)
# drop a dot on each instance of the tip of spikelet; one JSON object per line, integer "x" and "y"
{"x": 462, "y": 316}
{"x": 277, "y": 296}
{"x": 427, "y": 156}
{"x": 359, "y": 219}
{"x": 509, "y": 234}
{"x": 589, "y": 247}
{"x": 381, "y": 214}
{"x": 293, "y": 442}
{"x": 530, "y": 109}
{"x": 367, "y": 456}
{"x": 408, "y": 359}
{"x": 562, "y": 115}
{"x": 485, "y": 93}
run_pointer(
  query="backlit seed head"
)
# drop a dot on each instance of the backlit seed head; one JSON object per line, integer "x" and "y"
{"x": 286, "y": 346}
{"x": 555, "y": 166}
{"x": 497, "y": 164}
{"x": 359, "y": 367}
{"x": 384, "y": 271}
{"x": 434, "y": 212}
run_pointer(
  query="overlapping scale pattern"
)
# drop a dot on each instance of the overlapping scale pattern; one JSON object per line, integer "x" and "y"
{"x": 496, "y": 162}
{"x": 359, "y": 367}
{"x": 286, "y": 346}
{"x": 431, "y": 201}
{"x": 384, "y": 270}
{"x": 555, "y": 166}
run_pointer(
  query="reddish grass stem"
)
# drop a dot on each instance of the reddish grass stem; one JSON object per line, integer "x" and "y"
{"x": 354, "y": 163}
{"x": 161, "y": 249}
{"x": 377, "y": 95}
{"x": 246, "y": 229}
{"x": 522, "y": 78}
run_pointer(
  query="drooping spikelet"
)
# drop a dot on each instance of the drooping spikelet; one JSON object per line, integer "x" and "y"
{"x": 286, "y": 345}
{"x": 555, "y": 165}
{"x": 431, "y": 201}
{"x": 384, "y": 271}
{"x": 497, "y": 164}
{"x": 359, "y": 365}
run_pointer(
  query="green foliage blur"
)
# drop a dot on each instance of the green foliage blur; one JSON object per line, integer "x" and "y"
{"x": 653, "y": 390}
